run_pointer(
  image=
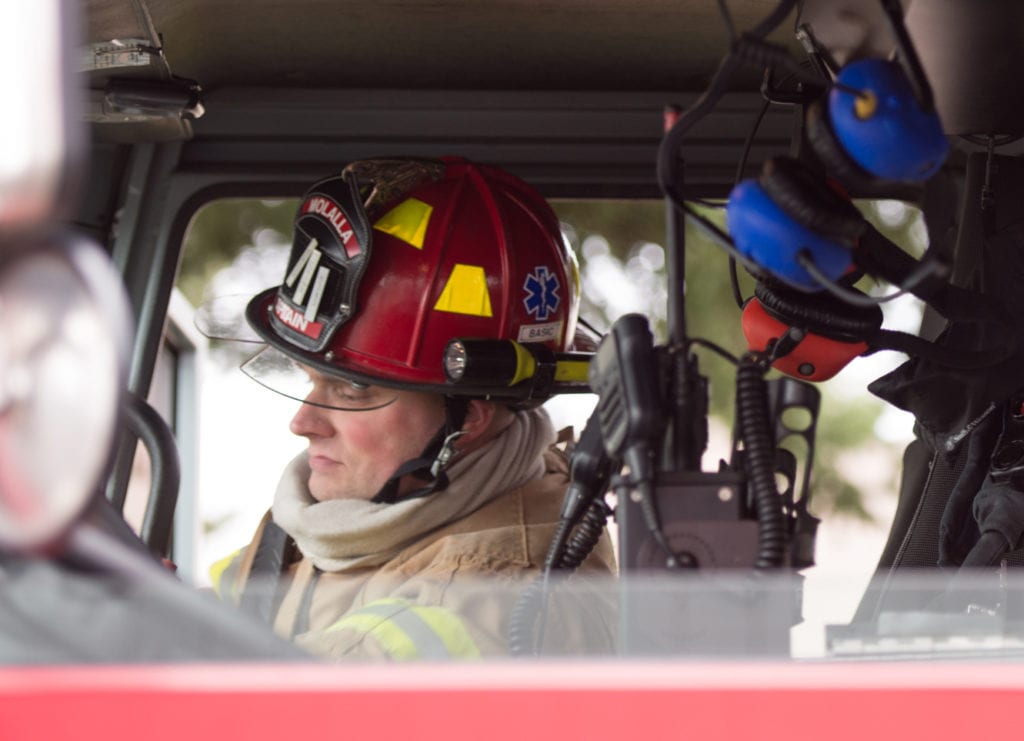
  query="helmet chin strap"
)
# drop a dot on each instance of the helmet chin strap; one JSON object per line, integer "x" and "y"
{"x": 429, "y": 465}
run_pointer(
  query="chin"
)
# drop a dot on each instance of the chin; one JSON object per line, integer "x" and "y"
{"x": 319, "y": 490}
{"x": 325, "y": 492}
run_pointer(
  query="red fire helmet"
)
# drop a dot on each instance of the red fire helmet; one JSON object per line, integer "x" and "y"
{"x": 391, "y": 259}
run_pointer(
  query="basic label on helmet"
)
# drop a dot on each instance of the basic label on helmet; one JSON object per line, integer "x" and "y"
{"x": 549, "y": 332}
{"x": 542, "y": 299}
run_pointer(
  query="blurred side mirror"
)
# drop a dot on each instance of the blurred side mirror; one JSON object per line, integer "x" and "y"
{"x": 64, "y": 351}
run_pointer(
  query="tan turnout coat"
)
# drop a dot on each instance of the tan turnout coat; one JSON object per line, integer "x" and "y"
{"x": 461, "y": 581}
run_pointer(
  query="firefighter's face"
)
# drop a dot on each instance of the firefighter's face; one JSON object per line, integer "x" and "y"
{"x": 353, "y": 453}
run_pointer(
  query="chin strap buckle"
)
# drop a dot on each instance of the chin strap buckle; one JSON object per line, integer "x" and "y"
{"x": 446, "y": 453}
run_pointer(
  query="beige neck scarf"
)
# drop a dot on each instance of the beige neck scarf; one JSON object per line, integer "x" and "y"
{"x": 344, "y": 534}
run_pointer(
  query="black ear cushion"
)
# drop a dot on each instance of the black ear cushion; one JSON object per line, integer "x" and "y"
{"x": 809, "y": 200}
{"x": 830, "y": 152}
{"x": 820, "y": 313}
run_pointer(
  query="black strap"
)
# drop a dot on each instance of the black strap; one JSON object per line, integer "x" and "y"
{"x": 306, "y": 606}
{"x": 273, "y": 552}
{"x": 456, "y": 408}
{"x": 947, "y": 357}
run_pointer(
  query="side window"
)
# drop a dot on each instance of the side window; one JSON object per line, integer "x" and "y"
{"x": 233, "y": 249}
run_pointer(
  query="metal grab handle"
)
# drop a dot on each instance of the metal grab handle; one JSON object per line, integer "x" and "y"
{"x": 145, "y": 422}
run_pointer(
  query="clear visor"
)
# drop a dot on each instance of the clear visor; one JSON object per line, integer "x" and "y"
{"x": 278, "y": 372}
{"x": 222, "y": 319}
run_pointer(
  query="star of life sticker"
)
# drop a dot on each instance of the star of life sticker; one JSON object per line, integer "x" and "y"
{"x": 542, "y": 297}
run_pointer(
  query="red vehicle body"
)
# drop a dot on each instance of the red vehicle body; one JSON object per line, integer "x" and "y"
{"x": 596, "y": 700}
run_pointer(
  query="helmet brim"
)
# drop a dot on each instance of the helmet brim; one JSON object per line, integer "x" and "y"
{"x": 259, "y": 311}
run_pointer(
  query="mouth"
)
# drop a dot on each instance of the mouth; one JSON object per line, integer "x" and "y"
{"x": 321, "y": 462}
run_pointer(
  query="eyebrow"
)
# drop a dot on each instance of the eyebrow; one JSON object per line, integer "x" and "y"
{"x": 315, "y": 376}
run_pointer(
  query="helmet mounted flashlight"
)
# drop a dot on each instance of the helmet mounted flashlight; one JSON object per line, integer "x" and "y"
{"x": 519, "y": 370}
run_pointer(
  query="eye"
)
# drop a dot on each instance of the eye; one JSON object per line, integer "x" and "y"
{"x": 354, "y": 394}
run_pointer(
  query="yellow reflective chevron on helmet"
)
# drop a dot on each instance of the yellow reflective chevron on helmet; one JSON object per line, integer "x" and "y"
{"x": 407, "y": 221}
{"x": 466, "y": 292}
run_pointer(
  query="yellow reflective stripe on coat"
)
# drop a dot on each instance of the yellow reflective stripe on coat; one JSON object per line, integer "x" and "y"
{"x": 217, "y": 570}
{"x": 406, "y": 630}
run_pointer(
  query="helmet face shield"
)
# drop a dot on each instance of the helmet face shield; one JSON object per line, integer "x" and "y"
{"x": 282, "y": 374}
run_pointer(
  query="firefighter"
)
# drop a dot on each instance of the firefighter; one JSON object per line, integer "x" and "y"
{"x": 414, "y": 496}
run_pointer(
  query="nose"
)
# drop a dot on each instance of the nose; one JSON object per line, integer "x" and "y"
{"x": 310, "y": 421}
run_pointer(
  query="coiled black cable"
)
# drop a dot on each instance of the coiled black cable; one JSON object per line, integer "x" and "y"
{"x": 585, "y": 537}
{"x": 523, "y": 617}
{"x": 566, "y": 554}
{"x": 668, "y": 163}
{"x": 759, "y": 460}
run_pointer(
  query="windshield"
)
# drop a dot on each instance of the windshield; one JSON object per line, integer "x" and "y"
{"x": 824, "y": 611}
{"x": 718, "y": 616}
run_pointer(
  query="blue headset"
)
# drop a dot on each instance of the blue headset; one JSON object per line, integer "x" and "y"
{"x": 884, "y": 129}
{"x": 874, "y": 129}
